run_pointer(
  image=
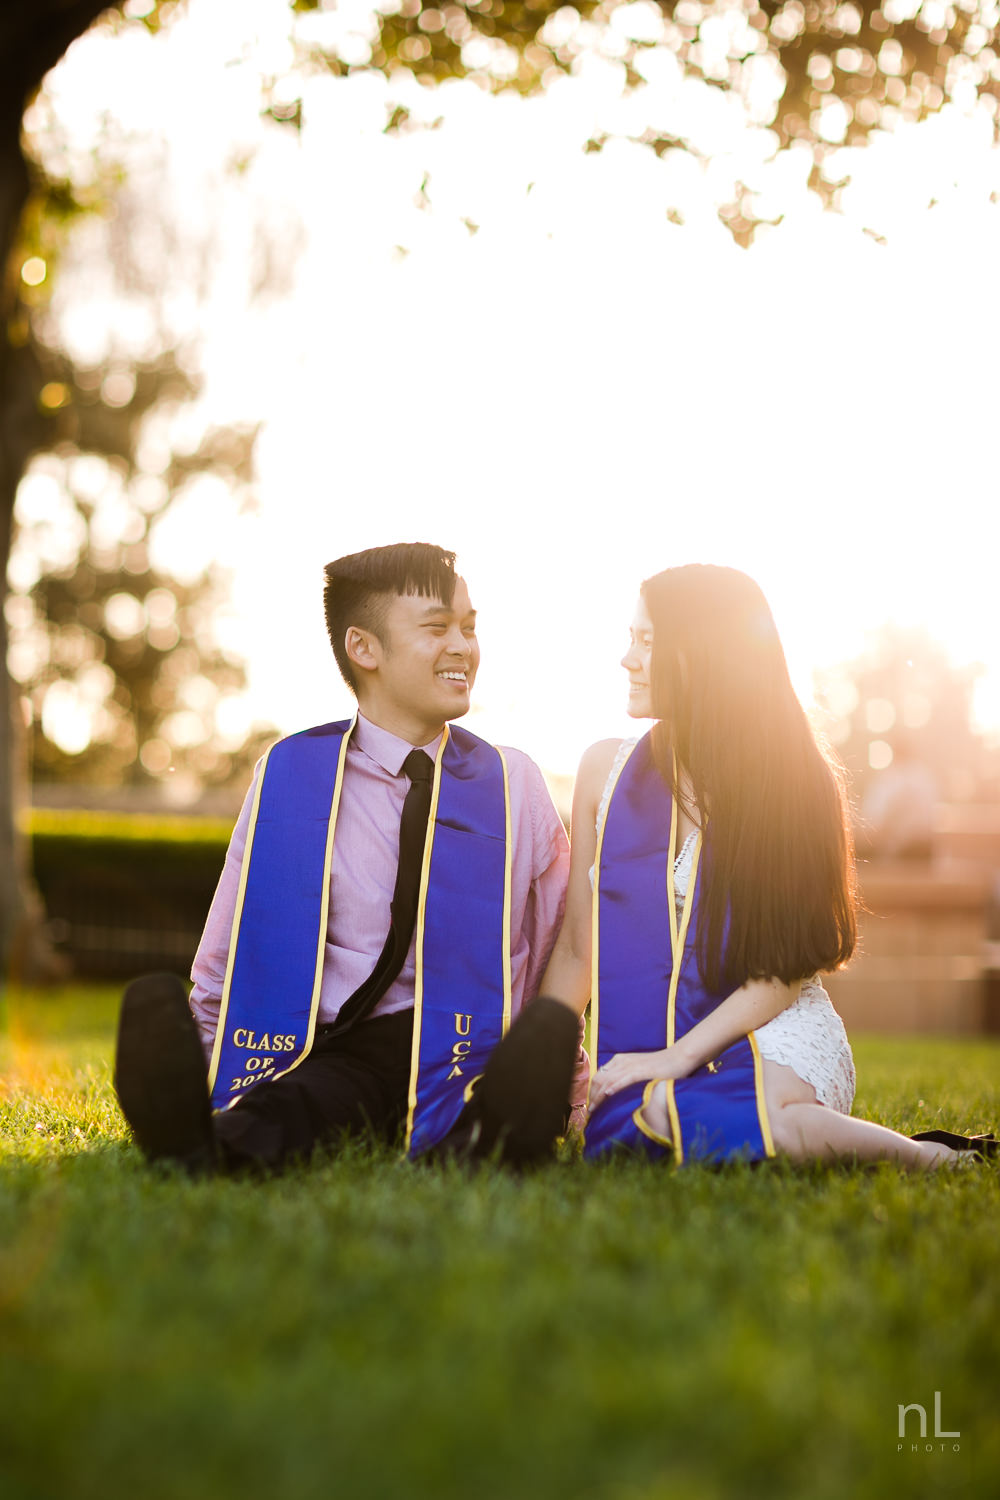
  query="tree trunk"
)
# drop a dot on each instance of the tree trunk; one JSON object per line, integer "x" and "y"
{"x": 14, "y": 899}
{"x": 34, "y": 34}
{"x": 11, "y": 853}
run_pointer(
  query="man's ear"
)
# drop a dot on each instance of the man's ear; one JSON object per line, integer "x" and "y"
{"x": 363, "y": 648}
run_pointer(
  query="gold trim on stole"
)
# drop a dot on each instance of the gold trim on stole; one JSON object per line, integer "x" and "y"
{"x": 675, "y": 1123}
{"x": 507, "y": 867}
{"x": 418, "y": 983}
{"x": 673, "y": 1140}
{"x": 647, "y": 1094}
{"x": 595, "y": 927}
{"x": 671, "y": 898}
{"x": 678, "y": 940}
{"x": 324, "y": 917}
{"x": 234, "y": 929}
{"x": 758, "y": 1078}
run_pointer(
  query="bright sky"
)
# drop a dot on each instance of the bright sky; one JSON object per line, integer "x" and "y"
{"x": 580, "y": 393}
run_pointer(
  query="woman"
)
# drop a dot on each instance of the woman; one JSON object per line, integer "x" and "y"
{"x": 711, "y": 880}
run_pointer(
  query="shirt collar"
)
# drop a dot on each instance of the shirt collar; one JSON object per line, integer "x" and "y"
{"x": 386, "y": 749}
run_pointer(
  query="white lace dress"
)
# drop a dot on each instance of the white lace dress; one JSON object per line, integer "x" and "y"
{"x": 808, "y": 1036}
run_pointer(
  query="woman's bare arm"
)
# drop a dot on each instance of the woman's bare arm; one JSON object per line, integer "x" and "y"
{"x": 756, "y": 1002}
{"x": 567, "y": 977}
{"x": 752, "y": 1005}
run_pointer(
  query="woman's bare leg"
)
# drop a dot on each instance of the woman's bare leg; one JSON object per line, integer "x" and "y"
{"x": 655, "y": 1112}
{"x": 805, "y": 1130}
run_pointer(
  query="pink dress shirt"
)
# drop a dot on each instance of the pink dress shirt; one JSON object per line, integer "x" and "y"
{"x": 363, "y": 875}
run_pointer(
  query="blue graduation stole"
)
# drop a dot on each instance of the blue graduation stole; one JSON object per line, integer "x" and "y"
{"x": 647, "y": 991}
{"x": 267, "y": 1018}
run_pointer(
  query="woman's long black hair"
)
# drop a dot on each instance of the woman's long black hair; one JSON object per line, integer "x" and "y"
{"x": 777, "y": 877}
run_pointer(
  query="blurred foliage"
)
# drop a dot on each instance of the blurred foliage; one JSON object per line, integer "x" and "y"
{"x": 122, "y": 902}
{"x": 788, "y": 62}
{"x": 124, "y": 658}
{"x": 127, "y": 659}
{"x": 903, "y": 697}
{"x": 97, "y": 634}
{"x": 816, "y": 73}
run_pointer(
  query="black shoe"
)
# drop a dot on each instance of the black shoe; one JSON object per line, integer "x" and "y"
{"x": 984, "y": 1146}
{"x": 521, "y": 1104}
{"x": 465, "y": 1142}
{"x": 160, "y": 1075}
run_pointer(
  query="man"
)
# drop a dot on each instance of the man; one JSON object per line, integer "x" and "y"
{"x": 390, "y": 897}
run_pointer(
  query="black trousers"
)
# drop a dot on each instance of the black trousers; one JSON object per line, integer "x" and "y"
{"x": 350, "y": 1085}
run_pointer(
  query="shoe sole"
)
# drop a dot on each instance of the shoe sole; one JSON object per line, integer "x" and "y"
{"x": 160, "y": 1074}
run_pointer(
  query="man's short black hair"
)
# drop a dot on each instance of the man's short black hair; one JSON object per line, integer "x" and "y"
{"x": 360, "y": 587}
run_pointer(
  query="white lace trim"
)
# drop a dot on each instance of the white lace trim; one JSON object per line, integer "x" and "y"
{"x": 809, "y": 1037}
{"x": 621, "y": 755}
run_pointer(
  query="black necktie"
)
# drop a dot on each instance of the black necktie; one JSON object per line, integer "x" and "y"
{"x": 403, "y": 912}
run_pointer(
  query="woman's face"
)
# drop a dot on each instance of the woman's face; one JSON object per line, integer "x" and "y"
{"x": 637, "y": 661}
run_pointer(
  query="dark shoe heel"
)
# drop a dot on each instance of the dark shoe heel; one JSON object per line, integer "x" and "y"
{"x": 984, "y": 1146}
{"x": 160, "y": 1074}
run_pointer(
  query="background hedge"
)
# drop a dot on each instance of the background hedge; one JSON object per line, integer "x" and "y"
{"x": 126, "y": 893}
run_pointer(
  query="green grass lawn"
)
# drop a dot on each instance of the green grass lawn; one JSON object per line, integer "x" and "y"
{"x": 364, "y": 1328}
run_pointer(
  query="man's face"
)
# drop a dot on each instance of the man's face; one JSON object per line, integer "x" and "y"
{"x": 428, "y": 657}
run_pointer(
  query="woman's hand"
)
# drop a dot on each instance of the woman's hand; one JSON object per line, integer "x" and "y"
{"x": 626, "y": 1068}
